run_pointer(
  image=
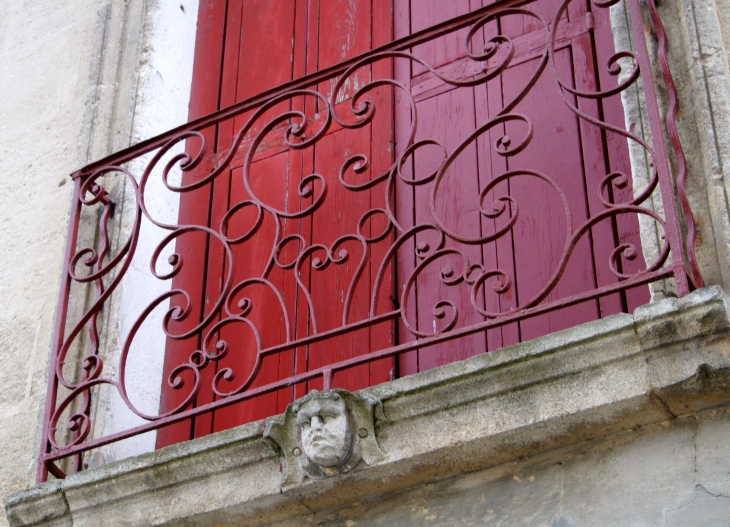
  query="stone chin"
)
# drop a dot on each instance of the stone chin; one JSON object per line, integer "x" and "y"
{"x": 326, "y": 453}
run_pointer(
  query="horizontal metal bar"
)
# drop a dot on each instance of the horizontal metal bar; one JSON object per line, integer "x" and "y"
{"x": 324, "y": 335}
{"x": 355, "y": 361}
{"x": 123, "y": 156}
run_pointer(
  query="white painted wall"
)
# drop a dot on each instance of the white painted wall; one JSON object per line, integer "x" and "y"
{"x": 163, "y": 94}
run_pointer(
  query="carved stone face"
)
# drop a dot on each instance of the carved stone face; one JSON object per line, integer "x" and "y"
{"x": 325, "y": 431}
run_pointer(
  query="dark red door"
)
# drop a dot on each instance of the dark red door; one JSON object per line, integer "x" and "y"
{"x": 574, "y": 154}
{"x": 246, "y": 47}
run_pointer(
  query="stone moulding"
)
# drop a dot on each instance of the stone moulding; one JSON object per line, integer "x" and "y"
{"x": 668, "y": 359}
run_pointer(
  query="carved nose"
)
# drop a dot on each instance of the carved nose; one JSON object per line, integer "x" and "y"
{"x": 316, "y": 422}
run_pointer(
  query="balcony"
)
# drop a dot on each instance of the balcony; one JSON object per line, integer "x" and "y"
{"x": 468, "y": 186}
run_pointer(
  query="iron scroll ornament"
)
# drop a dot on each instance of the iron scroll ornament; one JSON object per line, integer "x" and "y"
{"x": 103, "y": 269}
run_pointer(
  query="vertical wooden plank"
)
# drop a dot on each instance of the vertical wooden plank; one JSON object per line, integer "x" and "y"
{"x": 194, "y": 205}
{"x": 344, "y": 32}
{"x": 337, "y": 216}
{"x": 404, "y": 194}
{"x": 216, "y": 269}
{"x": 508, "y": 334}
{"x": 229, "y": 75}
{"x": 300, "y": 165}
{"x": 263, "y": 60}
{"x": 487, "y": 168}
{"x": 303, "y": 165}
{"x": 308, "y": 159}
{"x": 269, "y": 179}
{"x": 265, "y": 55}
{"x": 501, "y": 95}
{"x": 498, "y": 254}
{"x": 382, "y": 155}
{"x": 449, "y": 118}
{"x": 541, "y": 230}
{"x": 596, "y": 165}
{"x": 216, "y": 265}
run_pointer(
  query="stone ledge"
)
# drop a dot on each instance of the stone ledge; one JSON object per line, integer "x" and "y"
{"x": 670, "y": 358}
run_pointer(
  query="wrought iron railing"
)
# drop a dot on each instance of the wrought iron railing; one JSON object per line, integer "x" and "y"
{"x": 297, "y": 116}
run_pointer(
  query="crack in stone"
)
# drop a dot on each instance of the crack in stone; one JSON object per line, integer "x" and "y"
{"x": 714, "y": 495}
{"x": 663, "y": 403}
{"x": 68, "y": 507}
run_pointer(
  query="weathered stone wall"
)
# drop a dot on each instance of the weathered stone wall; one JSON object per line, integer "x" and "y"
{"x": 698, "y": 34}
{"x": 673, "y": 474}
{"x": 46, "y": 49}
{"x": 79, "y": 80}
{"x": 699, "y": 44}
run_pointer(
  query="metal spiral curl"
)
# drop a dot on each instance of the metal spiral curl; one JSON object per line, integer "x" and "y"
{"x": 425, "y": 244}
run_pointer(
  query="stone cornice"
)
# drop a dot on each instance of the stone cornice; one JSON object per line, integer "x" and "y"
{"x": 670, "y": 358}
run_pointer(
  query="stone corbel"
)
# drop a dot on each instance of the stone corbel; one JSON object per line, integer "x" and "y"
{"x": 326, "y": 433}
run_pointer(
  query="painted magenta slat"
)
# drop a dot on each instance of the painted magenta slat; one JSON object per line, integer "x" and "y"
{"x": 542, "y": 229}
{"x": 627, "y": 226}
{"x": 595, "y": 169}
{"x": 406, "y": 258}
{"x": 448, "y": 118}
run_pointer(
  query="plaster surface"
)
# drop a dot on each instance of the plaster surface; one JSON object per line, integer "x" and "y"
{"x": 45, "y": 51}
{"x": 79, "y": 79}
{"x": 162, "y": 92}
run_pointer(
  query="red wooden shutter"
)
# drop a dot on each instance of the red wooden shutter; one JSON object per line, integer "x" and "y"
{"x": 573, "y": 153}
{"x": 246, "y": 47}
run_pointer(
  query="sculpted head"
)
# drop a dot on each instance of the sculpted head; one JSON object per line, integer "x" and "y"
{"x": 324, "y": 425}
{"x": 324, "y": 434}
